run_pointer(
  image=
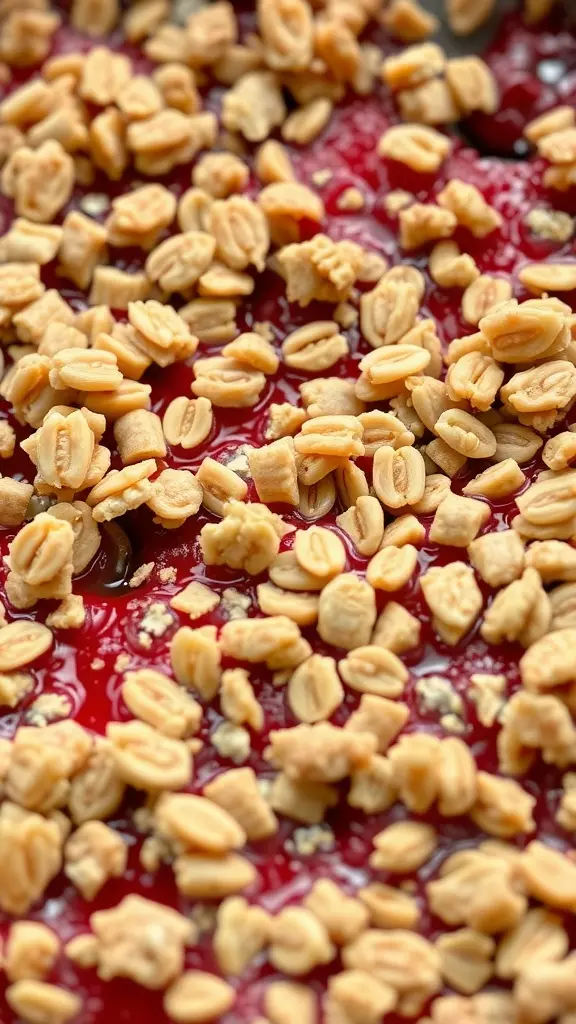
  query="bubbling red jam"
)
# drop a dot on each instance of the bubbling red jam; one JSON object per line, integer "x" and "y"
{"x": 535, "y": 71}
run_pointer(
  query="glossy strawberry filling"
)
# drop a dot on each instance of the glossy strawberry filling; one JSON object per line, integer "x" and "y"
{"x": 534, "y": 72}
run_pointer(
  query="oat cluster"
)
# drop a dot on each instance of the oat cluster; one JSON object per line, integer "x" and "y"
{"x": 378, "y": 441}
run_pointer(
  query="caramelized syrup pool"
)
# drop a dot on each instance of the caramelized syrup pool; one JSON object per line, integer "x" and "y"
{"x": 534, "y": 72}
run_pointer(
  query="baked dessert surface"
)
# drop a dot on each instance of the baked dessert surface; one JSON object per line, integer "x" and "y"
{"x": 386, "y": 695}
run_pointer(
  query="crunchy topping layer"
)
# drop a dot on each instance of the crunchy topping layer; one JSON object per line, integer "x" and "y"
{"x": 380, "y": 479}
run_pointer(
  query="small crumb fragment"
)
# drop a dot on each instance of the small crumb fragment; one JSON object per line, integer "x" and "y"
{"x": 234, "y": 605}
{"x": 122, "y": 662}
{"x": 141, "y": 575}
{"x": 265, "y": 329}
{"x": 350, "y": 200}
{"x": 551, "y": 225}
{"x": 155, "y": 622}
{"x": 7, "y": 440}
{"x": 232, "y": 741}
{"x": 345, "y": 315}
{"x": 322, "y": 177}
{"x": 487, "y": 692}
{"x": 48, "y": 707}
{"x": 238, "y": 461}
{"x": 167, "y": 574}
{"x": 195, "y": 600}
{"x": 95, "y": 204}
{"x": 311, "y": 839}
{"x": 13, "y": 687}
{"x": 397, "y": 200}
{"x": 70, "y": 613}
{"x": 452, "y": 723}
{"x": 204, "y": 916}
{"x": 97, "y": 664}
{"x": 436, "y": 694}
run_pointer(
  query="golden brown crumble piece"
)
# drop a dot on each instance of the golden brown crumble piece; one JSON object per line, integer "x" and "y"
{"x": 197, "y": 995}
{"x": 425, "y": 222}
{"x": 454, "y": 598}
{"x": 146, "y": 759}
{"x": 237, "y": 791}
{"x": 306, "y": 802}
{"x": 238, "y": 701}
{"x": 30, "y": 998}
{"x": 408, "y": 21}
{"x": 320, "y": 269}
{"x": 155, "y": 699}
{"x": 195, "y": 657}
{"x": 364, "y": 524}
{"x": 287, "y": 1000}
{"x": 487, "y": 693}
{"x": 458, "y": 520}
{"x": 241, "y": 933}
{"x": 126, "y": 941}
{"x": 457, "y": 897}
{"x": 195, "y": 600}
{"x": 70, "y": 613}
{"x": 22, "y": 831}
{"x": 403, "y": 847}
{"x": 396, "y": 629}
{"x": 551, "y": 225}
{"x": 93, "y": 854}
{"x": 40, "y": 181}
{"x": 419, "y": 147}
{"x": 199, "y": 876}
{"x": 320, "y": 753}
{"x": 450, "y": 268}
{"x": 386, "y": 955}
{"x": 272, "y": 163}
{"x": 30, "y": 952}
{"x": 299, "y": 942}
{"x": 314, "y": 690}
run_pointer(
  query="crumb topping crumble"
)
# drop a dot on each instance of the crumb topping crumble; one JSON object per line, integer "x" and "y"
{"x": 365, "y": 487}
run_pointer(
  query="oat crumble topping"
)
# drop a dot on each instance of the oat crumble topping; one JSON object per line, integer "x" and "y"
{"x": 360, "y": 454}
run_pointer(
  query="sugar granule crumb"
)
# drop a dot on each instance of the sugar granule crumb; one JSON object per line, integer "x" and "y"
{"x": 167, "y": 574}
{"x": 141, "y": 574}
{"x": 234, "y": 604}
{"x": 231, "y": 741}
{"x": 552, "y": 225}
{"x": 310, "y": 839}
{"x": 97, "y": 664}
{"x": 204, "y": 917}
{"x": 238, "y": 461}
{"x": 95, "y": 204}
{"x": 436, "y": 693}
{"x": 264, "y": 329}
{"x": 48, "y": 707}
{"x": 157, "y": 619}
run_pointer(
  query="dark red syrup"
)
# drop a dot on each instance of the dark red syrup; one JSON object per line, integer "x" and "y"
{"x": 82, "y": 664}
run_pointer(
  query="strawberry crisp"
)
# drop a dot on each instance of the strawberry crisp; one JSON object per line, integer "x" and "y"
{"x": 287, "y": 513}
